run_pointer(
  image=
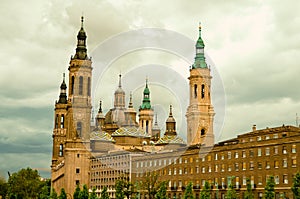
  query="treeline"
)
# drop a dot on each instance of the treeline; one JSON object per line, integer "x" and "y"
{"x": 27, "y": 184}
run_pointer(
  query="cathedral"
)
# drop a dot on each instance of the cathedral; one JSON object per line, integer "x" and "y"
{"x": 129, "y": 142}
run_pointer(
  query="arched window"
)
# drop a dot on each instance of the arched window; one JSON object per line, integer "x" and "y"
{"x": 72, "y": 85}
{"x": 195, "y": 90}
{"x": 62, "y": 121}
{"x": 80, "y": 85}
{"x": 147, "y": 126}
{"x": 89, "y": 87}
{"x": 61, "y": 150}
{"x": 79, "y": 129}
{"x": 202, "y": 91}
{"x": 202, "y": 131}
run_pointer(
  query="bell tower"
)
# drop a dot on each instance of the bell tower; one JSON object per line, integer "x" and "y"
{"x": 200, "y": 112}
{"x": 146, "y": 112}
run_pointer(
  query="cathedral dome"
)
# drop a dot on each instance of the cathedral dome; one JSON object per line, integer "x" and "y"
{"x": 132, "y": 131}
{"x": 170, "y": 139}
{"x": 101, "y": 136}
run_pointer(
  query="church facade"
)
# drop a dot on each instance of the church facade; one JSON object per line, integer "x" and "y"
{"x": 128, "y": 144}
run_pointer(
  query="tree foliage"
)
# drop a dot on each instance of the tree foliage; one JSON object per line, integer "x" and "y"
{"x": 151, "y": 184}
{"x": 104, "y": 194}
{"x": 3, "y": 187}
{"x": 77, "y": 192}
{"x": 53, "y": 194}
{"x": 162, "y": 191}
{"x": 269, "y": 188}
{"x": 248, "y": 193}
{"x": 231, "y": 193}
{"x": 93, "y": 195}
{"x": 119, "y": 190}
{"x": 24, "y": 184}
{"x": 63, "y": 194}
{"x": 188, "y": 193}
{"x": 296, "y": 186}
{"x": 84, "y": 194}
{"x": 124, "y": 188}
{"x": 205, "y": 192}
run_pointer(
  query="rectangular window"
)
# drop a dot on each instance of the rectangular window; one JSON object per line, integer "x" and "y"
{"x": 284, "y": 163}
{"x": 222, "y": 157}
{"x": 258, "y": 152}
{"x": 216, "y": 156}
{"x": 294, "y": 162}
{"x": 267, "y": 165}
{"x": 275, "y": 150}
{"x": 180, "y": 160}
{"x": 244, "y": 154}
{"x": 284, "y": 151}
{"x": 208, "y": 158}
{"x": 259, "y": 180}
{"x": 276, "y": 164}
{"x": 229, "y": 155}
{"x": 216, "y": 168}
{"x": 89, "y": 87}
{"x": 251, "y": 153}
{"x": 80, "y": 85}
{"x": 185, "y": 160}
{"x": 61, "y": 150}
{"x": 244, "y": 180}
{"x": 285, "y": 179}
{"x": 275, "y": 136}
{"x": 259, "y": 165}
{"x": 180, "y": 183}
{"x": 197, "y": 169}
{"x": 209, "y": 169}
{"x": 185, "y": 170}
{"x": 252, "y": 181}
{"x": 267, "y": 137}
{"x": 56, "y": 121}
{"x": 191, "y": 160}
{"x": 251, "y": 165}
{"x": 77, "y": 170}
{"x": 77, "y": 182}
{"x": 222, "y": 167}
{"x": 62, "y": 121}
{"x": 236, "y": 155}
{"x": 203, "y": 169}
{"x": 237, "y": 182}
{"x": 236, "y": 166}
{"x": 244, "y": 166}
{"x": 276, "y": 179}
{"x": 175, "y": 172}
{"x": 180, "y": 171}
{"x": 258, "y": 138}
{"x": 170, "y": 171}
{"x": 229, "y": 167}
{"x": 294, "y": 148}
{"x": 267, "y": 151}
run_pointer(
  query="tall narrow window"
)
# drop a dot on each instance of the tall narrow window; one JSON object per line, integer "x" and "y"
{"x": 72, "y": 85}
{"x": 61, "y": 149}
{"x": 56, "y": 121}
{"x": 89, "y": 87}
{"x": 202, "y": 91}
{"x": 80, "y": 85}
{"x": 79, "y": 129}
{"x": 62, "y": 121}
{"x": 147, "y": 126}
{"x": 195, "y": 91}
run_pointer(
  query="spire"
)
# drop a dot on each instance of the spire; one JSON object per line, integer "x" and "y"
{"x": 120, "y": 85}
{"x": 63, "y": 92}
{"x": 130, "y": 101}
{"x": 146, "y": 100}
{"x": 170, "y": 124}
{"x": 81, "y": 51}
{"x": 100, "y": 107}
{"x": 200, "y": 58}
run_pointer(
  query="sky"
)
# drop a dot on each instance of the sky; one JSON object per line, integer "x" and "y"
{"x": 253, "y": 47}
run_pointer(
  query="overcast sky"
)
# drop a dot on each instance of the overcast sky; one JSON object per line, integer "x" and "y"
{"x": 254, "y": 45}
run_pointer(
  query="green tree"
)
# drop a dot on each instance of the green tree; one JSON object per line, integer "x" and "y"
{"x": 269, "y": 188}
{"x": 119, "y": 190}
{"x": 63, "y": 194}
{"x": 84, "y": 194}
{"x": 188, "y": 193}
{"x": 24, "y": 184}
{"x": 151, "y": 184}
{"x": 296, "y": 186}
{"x": 93, "y": 195}
{"x": 248, "y": 193}
{"x": 205, "y": 192}
{"x": 3, "y": 187}
{"x": 162, "y": 191}
{"x": 104, "y": 194}
{"x": 53, "y": 194}
{"x": 231, "y": 193}
{"x": 77, "y": 192}
{"x": 45, "y": 189}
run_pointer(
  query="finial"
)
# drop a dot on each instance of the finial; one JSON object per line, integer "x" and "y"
{"x": 100, "y": 107}
{"x": 199, "y": 25}
{"x": 130, "y": 101}
{"x": 120, "y": 80}
{"x": 82, "y": 21}
{"x": 170, "y": 111}
{"x": 155, "y": 119}
{"x": 64, "y": 77}
{"x": 146, "y": 81}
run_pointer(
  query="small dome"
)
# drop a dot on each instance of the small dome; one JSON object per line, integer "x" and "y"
{"x": 170, "y": 139}
{"x": 130, "y": 131}
{"x": 101, "y": 135}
